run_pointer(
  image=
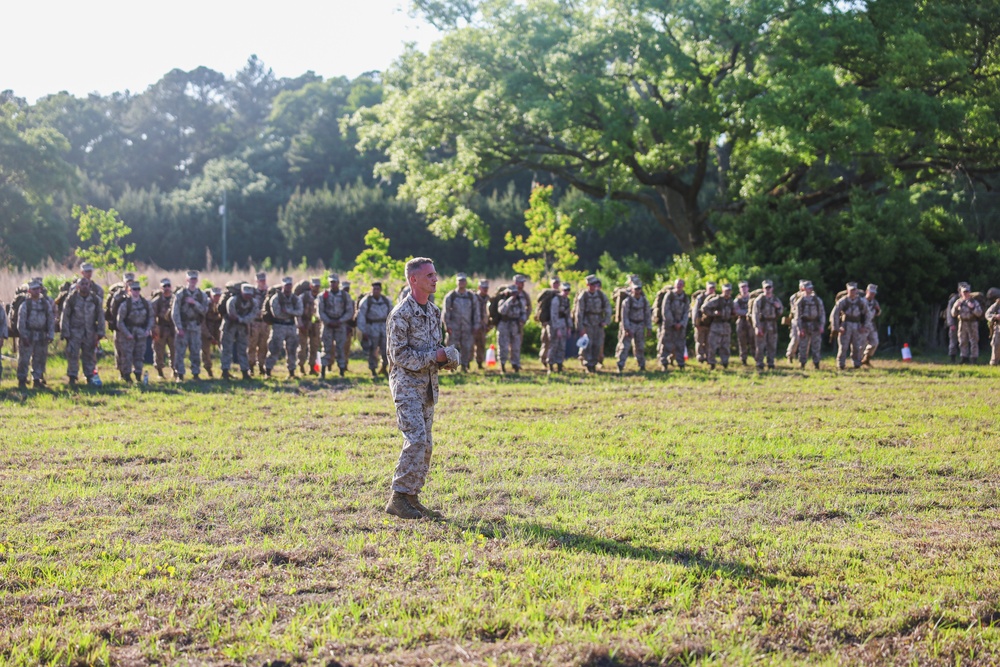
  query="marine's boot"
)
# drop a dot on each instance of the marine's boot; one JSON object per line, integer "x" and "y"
{"x": 302, "y": 367}
{"x": 322, "y": 372}
{"x": 127, "y": 377}
{"x": 226, "y": 375}
{"x": 384, "y": 370}
{"x": 816, "y": 365}
{"x": 503, "y": 368}
{"x": 72, "y": 381}
{"x": 478, "y": 363}
{"x": 725, "y": 366}
{"x": 313, "y": 371}
{"x": 399, "y": 505}
{"x": 711, "y": 366}
{"x": 342, "y": 372}
{"x": 159, "y": 371}
{"x": 291, "y": 373}
{"x": 964, "y": 361}
{"x": 22, "y": 383}
{"x": 246, "y": 375}
{"x": 374, "y": 373}
{"x": 138, "y": 376}
{"x": 267, "y": 372}
{"x": 39, "y": 383}
{"x": 560, "y": 367}
{"x": 419, "y": 506}
{"x": 263, "y": 369}
{"x": 178, "y": 377}
{"x": 196, "y": 377}
{"x": 802, "y": 365}
{"x": 516, "y": 367}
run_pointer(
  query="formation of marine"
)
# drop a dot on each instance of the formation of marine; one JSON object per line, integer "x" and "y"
{"x": 311, "y": 329}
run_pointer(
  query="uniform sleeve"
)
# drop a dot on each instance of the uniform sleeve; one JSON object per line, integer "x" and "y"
{"x": 3, "y": 322}
{"x": 755, "y": 307}
{"x": 50, "y": 318}
{"x": 64, "y": 320}
{"x": 822, "y": 309}
{"x": 554, "y": 310}
{"x": 526, "y": 303}
{"x": 363, "y": 313}
{"x": 446, "y": 310}
{"x": 201, "y": 303}
{"x": 401, "y": 349}
{"x": 175, "y": 309}
{"x": 607, "y": 310}
{"x": 648, "y": 312}
{"x": 348, "y": 309}
{"x": 102, "y": 325}
{"x": 991, "y": 312}
{"x": 835, "y": 315}
{"x": 577, "y": 314}
{"x": 150, "y": 318}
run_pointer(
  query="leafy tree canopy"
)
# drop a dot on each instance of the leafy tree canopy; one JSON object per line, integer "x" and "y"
{"x": 691, "y": 108}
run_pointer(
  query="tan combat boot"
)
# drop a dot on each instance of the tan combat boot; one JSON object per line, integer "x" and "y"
{"x": 399, "y": 505}
{"x": 419, "y": 506}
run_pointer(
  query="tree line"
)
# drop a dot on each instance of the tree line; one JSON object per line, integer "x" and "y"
{"x": 806, "y": 139}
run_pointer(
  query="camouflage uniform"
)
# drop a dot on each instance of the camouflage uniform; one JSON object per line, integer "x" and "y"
{"x": 872, "y": 339}
{"x": 482, "y": 327}
{"x": 309, "y": 333}
{"x": 81, "y": 327}
{"x": 808, "y": 316}
{"x": 674, "y": 314}
{"x": 766, "y": 311}
{"x": 36, "y": 327}
{"x": 852, "y": 315}
{"x": 4, "y": 332}
{"x": 236, "y": 325}
{"x": 285, "y": 308}
{"x": 510, "y": 332}
{"x": 187, "y": 318}
{"x": 745, "y": 338}
{"x": 372, "y": 314}
{"x": 413, "y": 335}
{"x": 591, "y": 313}
{"x": 967, "y": 313}
{"x": 164, "y": 332}
{"x": 793, "y": 326}
{"x": 335, "y": 309}
{"x": 560, "y": 324}
{"x": 700, "y": 326}
{"x": 135, "y": 323}
{"x": 717, "y": 311}
{"x": 460, "y": 319}
{"x": 260, "y": 332}
{"x": 635, "y": 318}
{"x": 211, "y": 332}
{"x": 992, "y": 317}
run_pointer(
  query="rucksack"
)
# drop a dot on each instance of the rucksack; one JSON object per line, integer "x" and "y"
{"x": 750, "y": 301}
{"x": 543, "y": 311}
{"x": 112, "y": 302}
{"x": 234, "y": 289}
{"x": 304, "y": 286}
{"x": 268, "y": 315}
{"x": 619, "y": 296}
{"x": 697, "y": 300}
{"x": 19, "y": 296}
{"x": 495, "y": 300}
{"x": 658, "y": 303}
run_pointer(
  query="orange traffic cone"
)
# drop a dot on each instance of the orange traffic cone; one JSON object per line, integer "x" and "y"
{"x": 491, "y": 356}
{"x": 907, "y": 355}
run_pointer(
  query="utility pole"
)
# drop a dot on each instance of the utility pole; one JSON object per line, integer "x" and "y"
{"x": 223, "y": 213}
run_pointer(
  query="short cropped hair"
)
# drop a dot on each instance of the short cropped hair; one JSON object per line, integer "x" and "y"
{"x": 415, "y": 264}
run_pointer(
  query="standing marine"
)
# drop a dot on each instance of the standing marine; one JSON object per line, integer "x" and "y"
{"x": 635, "y": 318}
{"x": 136, "y": 320}
{"x": 514, "y": 311}
{"x": 82, "y": 326}
{"x": 871, "y": 343}
{"x": 745, "y": 338}
{"x": 373, "y": 310}
{"x": 591, "y": 314}
{"x": 285, "y": 308}
{"x": 809, "y": 319}
{"x": 766, "y": 310}
{"x": 849, "y": 319}
{"x": 460, "y": 318}
{"x": 717, "y": 313}
{"x": 188, "y": 310}
{"x": 36, "y": 328}
{"x": 967, "y": 312}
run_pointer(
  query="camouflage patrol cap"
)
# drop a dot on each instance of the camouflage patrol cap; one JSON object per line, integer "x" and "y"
{"x": 592, "y": 279}
{"x": 965, "y": 288}
{"x": 484, "y": 283}
{"x": 192, "y": 274}
{"x": 376, "y": 284}
{"x": 873, "y": 288}
{"x": 519, "y": 278}
{"x": 744, "y": 283}
{"x": 565, "y": 287}
{"x": 247, "y": 288}
{"x": 460, "y": 277}
{"x": 134, "y": 285}
{"x": 636, "y": 283}
{"x": 807, "y": 284}
{"x": 261, "y": 276}
{"x": 165, "y": 282}
{"x": 710, "y": 283}
{"x": 727, "y": 286}
{"x": 555, "y": 282}
{"x": 963, "y": 285}
{"x": 287, "y": 280}
{"x": 35, "y": 284}
{"x": 766, "y": 284}
{"x": 129, "y": 276}
{"x": 216, "y": 291}
{"x": 315, "y": 282}
{"x": 333, "y": 278}
{"x": 346, "y": 284}
{"x": 852, "y": 286}
{"x": 802, "y": 282}
{"x": 87, "y": 266}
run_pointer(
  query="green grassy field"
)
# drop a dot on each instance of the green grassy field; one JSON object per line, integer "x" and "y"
{"x": 697, "y": 518}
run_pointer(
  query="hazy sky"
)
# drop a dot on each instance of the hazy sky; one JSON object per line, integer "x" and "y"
{"x": 105, "y": 46}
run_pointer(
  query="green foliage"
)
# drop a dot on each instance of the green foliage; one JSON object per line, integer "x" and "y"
{"x": 106, "y": 235}
{"x": 374, "y": 262}
{"x": 549, "y": 245}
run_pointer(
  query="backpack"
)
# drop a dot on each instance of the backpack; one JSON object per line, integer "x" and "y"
{"x": 112, "y": 302}
{"x": 697, "y": 299}
{"x": 304, "y": 286}
{"x": 619, "y": 296}
{"x": 543, "y": 311}
{"x": 19, "y": 296}
{"x": 268, "y": 315}
{"x": 494, "y": 308}
{"x": 750, "y": 301}
{"x": 234, "y": 289}
{"x": 658, "y": 304}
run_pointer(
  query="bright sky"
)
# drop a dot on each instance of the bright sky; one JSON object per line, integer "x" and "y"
{"x": 106, "y": 46}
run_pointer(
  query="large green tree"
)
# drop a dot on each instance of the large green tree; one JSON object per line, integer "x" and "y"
{"x": 691, "y": 107}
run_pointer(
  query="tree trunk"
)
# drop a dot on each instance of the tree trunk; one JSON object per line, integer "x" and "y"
{"x": 680, "y": 216}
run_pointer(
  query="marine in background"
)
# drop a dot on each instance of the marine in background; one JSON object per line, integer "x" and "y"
{"x": 373, "y": 310}
{"x": 849, "y": 319}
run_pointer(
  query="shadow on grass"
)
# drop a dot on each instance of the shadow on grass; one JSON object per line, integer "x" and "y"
{"x": 557, "y": 538}
{"x": 189, "y": 387}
